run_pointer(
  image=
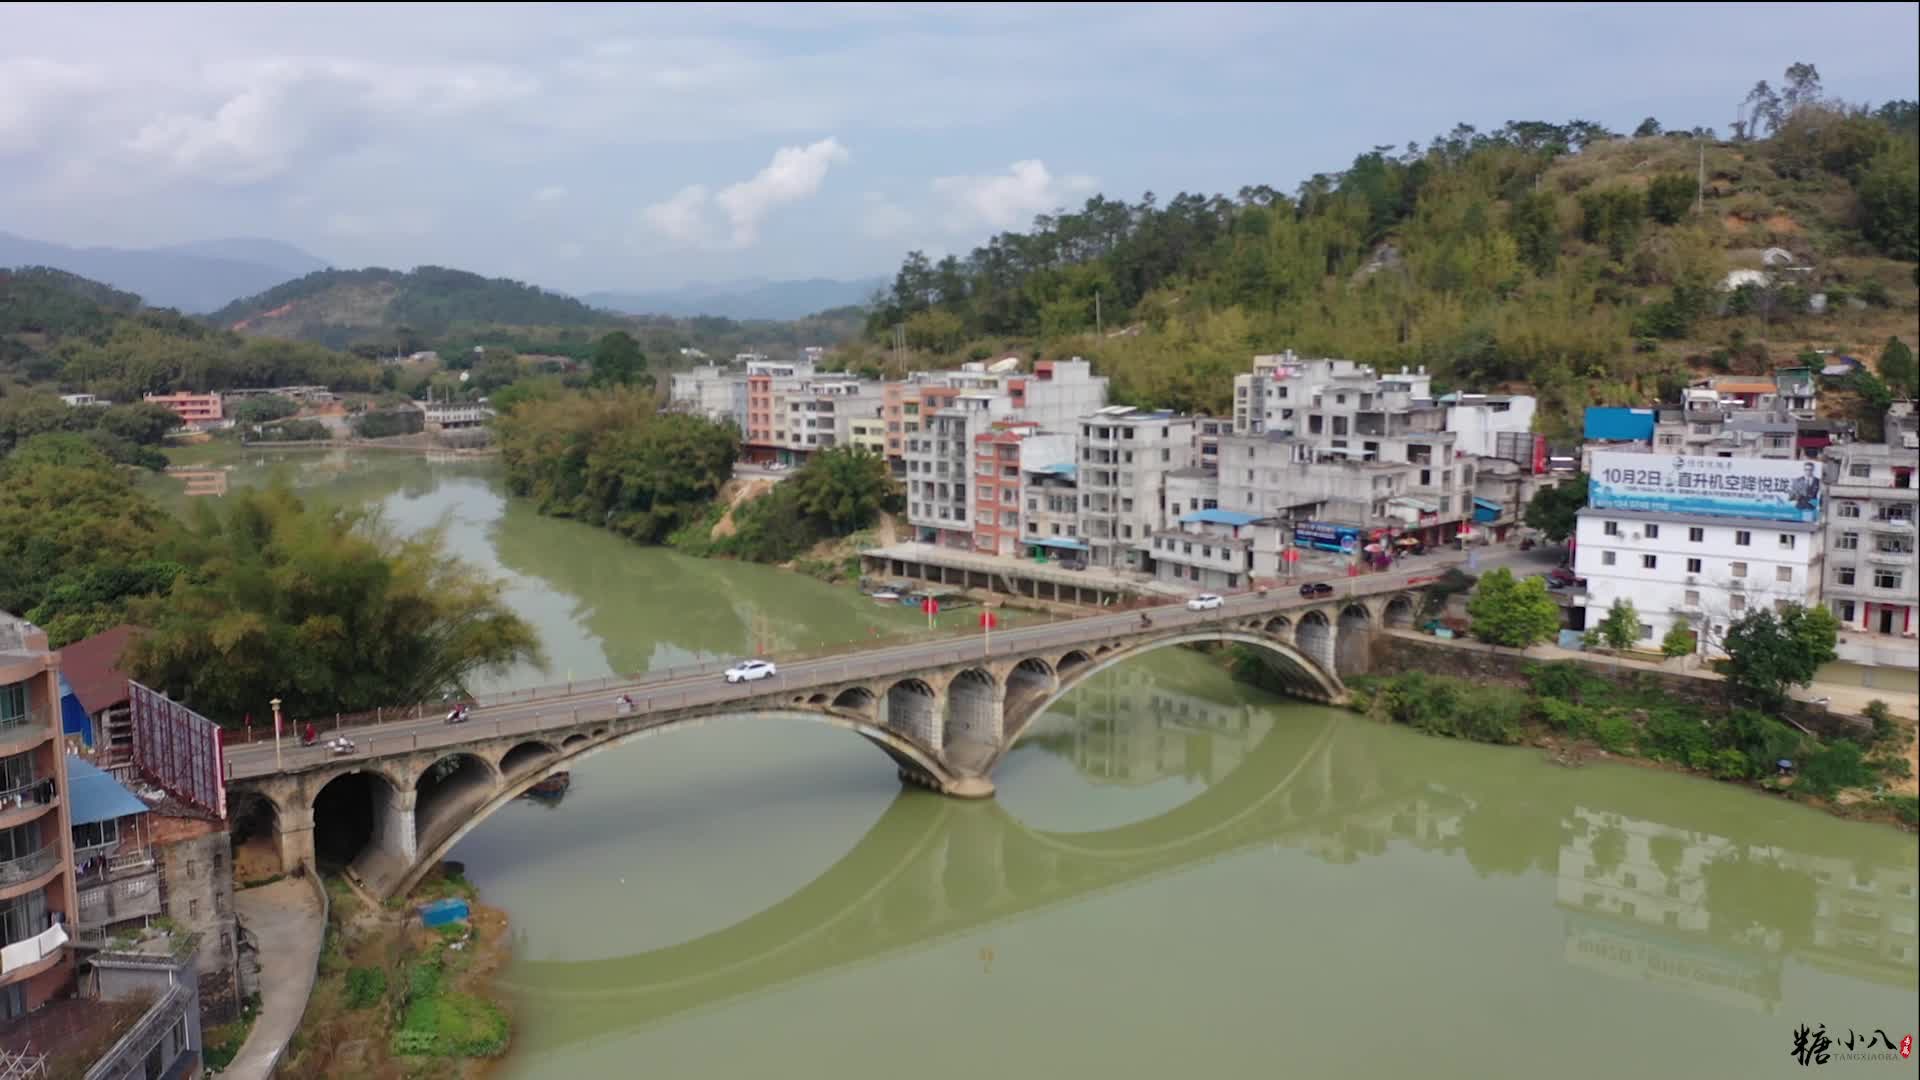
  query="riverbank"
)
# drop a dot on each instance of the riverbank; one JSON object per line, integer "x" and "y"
{"x": 397, "y": 1000}
{"x": 1576, "y": 715}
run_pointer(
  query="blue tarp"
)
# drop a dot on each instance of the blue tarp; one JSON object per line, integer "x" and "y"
{"x": 1056, "y": 542}
{"x": 73, "y": 715}
{"x": 1066, "y": 469}
{"x": 94, "y": 796}
{"x": 1221, "y": 517}
{"x": 1483, "y": 510}
{"x": 1619, "y": 425}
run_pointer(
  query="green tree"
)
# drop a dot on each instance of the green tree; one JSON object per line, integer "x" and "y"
{"x": 1888, "y": 196}
{"x": 1679, "y": 641}
{"x": 1621, "y": 626}
{"x": 1511, "y": 612}
{"x": 65, "y": 516}
{"x": 1648, "y": 128}
{"x": 261, "y": 410}
{"x": 1669, "y": 196}
{"x": 1768, "y": 653}
{"x": 1555, "y": 510}
{"x": 843, "y": 488}
{"x": 1534, "y": 221}
{"x": 1897, "y": 369}
{"x": 325, "y": 609}
{"x": 618, "y": 361}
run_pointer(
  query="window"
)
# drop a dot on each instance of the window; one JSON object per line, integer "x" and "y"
{"x": 1693, "y": 566}
{"x": 1649, "y": 562}
{"x": 1612, "y": 528}
{"x": 1653, "y": 532}
{"x": 1693, "y": 598}
{"x": 1606, "y": 558}
{"x": 1843, "y": 576}
{"x": 1736, "y": 602}
{"x": 1843, "y": 610}
{"x": 193, "y": 909}
{"x": 1742, "y": 538}
{"x": 1783, "y": 573}
{"x": 1849, "y": 541}
{"x": 96, "y": 834}
{"x": 16, "y": 773}
{"x": 1786, "y": 541}
{"x": 1849, "y": 510}
{"x": 1887, "y": 579}
{"x": 13, "y": 705}
{"x": 1739, "y": 569}
{"x": 1860, "y": 472}
{"x": 1696, "y": 534}
{"x": 1646, "y": 632}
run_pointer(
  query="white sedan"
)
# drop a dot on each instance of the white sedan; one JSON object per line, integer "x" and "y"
{"x": 750, "y": 670}
{"x": 1206, "y": 601}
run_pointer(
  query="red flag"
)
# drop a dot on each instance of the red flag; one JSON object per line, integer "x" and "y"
{"x": 988, "y": 620}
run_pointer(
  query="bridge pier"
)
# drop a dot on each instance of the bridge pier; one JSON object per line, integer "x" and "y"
{"x": 394, "y": 831}
{"x": 293, "y": 831}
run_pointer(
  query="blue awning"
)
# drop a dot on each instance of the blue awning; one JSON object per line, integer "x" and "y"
{"x": 93, "y": 795}
{"x": 1486, "y": 504}
{"x": 1067, "y": 469}
{"x": 1055, "y": 542}
{"x": 1221, "y": 517}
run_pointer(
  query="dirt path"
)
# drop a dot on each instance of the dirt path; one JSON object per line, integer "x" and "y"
{"x": 285, "y": 919}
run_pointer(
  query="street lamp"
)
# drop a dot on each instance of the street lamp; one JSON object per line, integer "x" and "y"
{"x": 276, "y": 733}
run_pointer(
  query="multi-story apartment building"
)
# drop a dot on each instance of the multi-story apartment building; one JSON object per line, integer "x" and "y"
{"x": 704, "y": 390}
{"x": 1002, "y": 457}
{"x": 1698, "y": 541}
{"x": 940, "y": 463}
{"x": 868, "y": 433}
{"x": 765, "y": 434}
{"x": 1126, "y": 455}
{"x": 1217, "y": 550}
{"x": 1057, "y": 393}
{"x": 1872, "y": 584}
{"x": 37, "y": 901}
{"x": 191, "y": 408}
{"x": 900, "y": 410}
{"x": 1479, "y": 420}
{"x": 1051, "y": 498}
{"x": 820, "y": 412}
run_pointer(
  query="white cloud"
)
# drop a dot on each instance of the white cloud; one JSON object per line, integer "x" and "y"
{"x": 1008, "y": 200}
{"x": 681, "y": 219}
{"x": 550, "y": 193}
{"x": 29, "y": 88}
{"x": 392, "y": 221}
{"x": 795, "y": 173}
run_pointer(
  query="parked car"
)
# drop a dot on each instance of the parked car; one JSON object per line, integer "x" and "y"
{"x": 750, "y": 671}
{"x": 1206, "y": 601}
{"x": 1316, "y": 588}
{"x": 1073, "y": 564}
{"x": 1561, "y": 577}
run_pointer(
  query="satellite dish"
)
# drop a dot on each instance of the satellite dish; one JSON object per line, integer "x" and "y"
{"x": 464, "y": 375}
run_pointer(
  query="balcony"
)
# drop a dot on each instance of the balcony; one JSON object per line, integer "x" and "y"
{"x": 132, "y": 897}
{"x": 24, "y": 803}
{"x": 32, "y": 951}
{"x": 23, "y": 730}
{"x": 28, "y": 867}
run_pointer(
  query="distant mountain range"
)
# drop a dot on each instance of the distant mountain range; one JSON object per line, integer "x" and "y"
{"x": 195, "y": 278}
{"x": 743, "y": 300}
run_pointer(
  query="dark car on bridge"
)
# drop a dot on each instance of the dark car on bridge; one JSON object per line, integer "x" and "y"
{"x": 1316, "y": 588}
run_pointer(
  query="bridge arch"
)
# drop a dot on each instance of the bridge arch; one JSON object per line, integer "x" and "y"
{"x": 358, "y": 816}
{"x": 1031, "y": 681}
{"x": 1355, "y": 638}
{"x": 429, "y": 854}
{"x": 574, "y": 740}
{"x": 857, "y": 699}
{"x": 448, "y": 790}
{"x": 1399, "y": 612}
{"x": 1071, "y": 664}
{"x": 912, "y": 710}
{"x": 1280, "y": 627}
{"x": 1313, "y": 636}
{"x": 973, "y": 710}
{"x": 525, "y": 755}
{"x": 1304, "y": 675}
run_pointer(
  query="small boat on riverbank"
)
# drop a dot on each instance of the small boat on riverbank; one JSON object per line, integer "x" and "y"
{"x": 552, "y": 789}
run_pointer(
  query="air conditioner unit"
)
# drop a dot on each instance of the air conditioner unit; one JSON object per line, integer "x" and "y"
{"x": 1636, "y": 536}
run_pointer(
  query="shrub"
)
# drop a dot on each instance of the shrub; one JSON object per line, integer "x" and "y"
{"x": 1493, "y": 714}
{"x": 365, "y": 986}
{"x": 1672, "y": 736}
{"x": 1833, "y": 767}
{"x": 1730, "y": 765}
{"x": 1905, "y": 807}
{"x": 1885, "y": 728}
{"x": 1614, "y": 733}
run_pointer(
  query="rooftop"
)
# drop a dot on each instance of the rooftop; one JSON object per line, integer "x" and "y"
{"x": 92, "y": 666}
{"x": 1703, "y": 519}
{"x": 94, "y": 795}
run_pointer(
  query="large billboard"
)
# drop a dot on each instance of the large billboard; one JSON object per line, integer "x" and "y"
{"x": 1318, "y": 534}
{"x": 178, "y": 749}
{"x": 1764, "y": 489}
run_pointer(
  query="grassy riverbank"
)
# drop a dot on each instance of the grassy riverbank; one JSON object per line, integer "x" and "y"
{"x": 1576, "y": 715}
{"x": 396, "y": 1000}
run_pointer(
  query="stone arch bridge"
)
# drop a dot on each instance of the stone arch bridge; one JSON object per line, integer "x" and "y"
{"x": 945, "y": 711}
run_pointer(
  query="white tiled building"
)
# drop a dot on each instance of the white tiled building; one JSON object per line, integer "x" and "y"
{"x": 1872, "y": 582}
{"x": 1125, "y": 457}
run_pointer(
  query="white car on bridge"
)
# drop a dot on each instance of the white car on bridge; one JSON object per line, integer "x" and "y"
{"x": 751, "y": 670}
{"x": 1206, "y": 601}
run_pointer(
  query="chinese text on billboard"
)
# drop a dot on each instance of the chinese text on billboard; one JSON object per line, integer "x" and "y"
{"x": 1760, "y": 488}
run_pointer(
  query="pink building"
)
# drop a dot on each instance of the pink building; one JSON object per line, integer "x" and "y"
{"x": 192, "y": 408}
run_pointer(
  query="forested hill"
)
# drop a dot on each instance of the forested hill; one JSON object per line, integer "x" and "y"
{"x": 347, "y": 307}
{"x": 1562, "y": 256}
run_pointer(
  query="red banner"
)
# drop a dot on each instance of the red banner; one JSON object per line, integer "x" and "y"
{"x": 989, "y": 621}
{"x": 930, "y": 606}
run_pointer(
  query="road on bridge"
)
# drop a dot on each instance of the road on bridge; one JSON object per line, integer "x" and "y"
{"x": 519, "y": 713}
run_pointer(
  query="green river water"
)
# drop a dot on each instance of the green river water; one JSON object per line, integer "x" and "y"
{"x": 1180, "y": 877}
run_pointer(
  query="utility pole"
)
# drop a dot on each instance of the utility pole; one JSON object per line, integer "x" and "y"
{"x": 1700, "y": 192}
{"x": 1099, "y": 329}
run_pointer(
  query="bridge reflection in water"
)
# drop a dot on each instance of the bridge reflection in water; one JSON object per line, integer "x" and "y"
{"x": 1671, "y": 905}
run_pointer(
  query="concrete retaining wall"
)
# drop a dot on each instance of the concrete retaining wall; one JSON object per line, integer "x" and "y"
{"x": 1398, "y": 651}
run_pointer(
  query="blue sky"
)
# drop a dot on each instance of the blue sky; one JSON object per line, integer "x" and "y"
{"x": 626, "y": 147}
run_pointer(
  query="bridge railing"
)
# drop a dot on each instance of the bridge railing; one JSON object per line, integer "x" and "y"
{"x": 580, "y": 698}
